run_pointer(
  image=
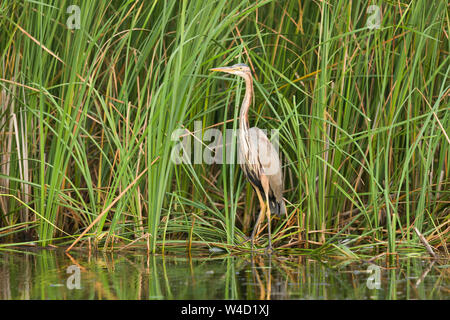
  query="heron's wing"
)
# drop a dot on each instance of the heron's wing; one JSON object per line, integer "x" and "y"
{"x": 264, "y": 152}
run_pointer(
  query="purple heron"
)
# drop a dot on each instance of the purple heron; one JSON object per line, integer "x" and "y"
{"x": 258, "y": 157}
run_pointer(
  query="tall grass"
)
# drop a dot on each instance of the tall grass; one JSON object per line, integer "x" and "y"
{"x": 87, "y": 117}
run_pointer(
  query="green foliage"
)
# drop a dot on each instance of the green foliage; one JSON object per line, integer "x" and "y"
{"x": 362, "y": 115}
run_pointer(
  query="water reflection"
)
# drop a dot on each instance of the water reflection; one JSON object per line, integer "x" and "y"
{"x": 44, "y": 275}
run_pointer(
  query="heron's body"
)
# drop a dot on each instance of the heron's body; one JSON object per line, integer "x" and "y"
{"x": 258, "y": 157}
{"x": 264, "y": 165}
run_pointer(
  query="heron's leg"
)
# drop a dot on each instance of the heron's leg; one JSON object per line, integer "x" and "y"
{"x": 262, "y": 204}
{"x": 265, "y": 185}
{"x": 260, "y": 219}
{"x": 269, "y": 248}
{"x": 258, "y": 222}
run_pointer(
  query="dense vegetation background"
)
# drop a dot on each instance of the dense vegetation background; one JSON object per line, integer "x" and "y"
{"x": 358, "y": 94}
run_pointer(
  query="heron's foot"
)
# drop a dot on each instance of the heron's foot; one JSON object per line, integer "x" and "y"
{"x": 246, "y": 239}
{"x": 253, "y": 242}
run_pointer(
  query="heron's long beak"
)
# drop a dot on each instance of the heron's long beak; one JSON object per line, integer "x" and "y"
{"x": 223, "y": 69}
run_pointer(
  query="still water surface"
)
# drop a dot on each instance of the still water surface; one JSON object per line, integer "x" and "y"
{"x": 52, "y": 274}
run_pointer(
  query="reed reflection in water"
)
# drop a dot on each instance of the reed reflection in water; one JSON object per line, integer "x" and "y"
{"x": 44, "y": 275}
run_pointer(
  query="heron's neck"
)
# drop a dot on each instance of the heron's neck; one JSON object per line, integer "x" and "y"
{"x": 243, "y": 117}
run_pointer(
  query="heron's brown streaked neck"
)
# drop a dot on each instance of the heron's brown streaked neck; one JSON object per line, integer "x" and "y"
{"x": 243, "y": 117}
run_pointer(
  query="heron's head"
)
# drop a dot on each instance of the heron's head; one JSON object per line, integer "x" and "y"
{"x": 239, "y": 69}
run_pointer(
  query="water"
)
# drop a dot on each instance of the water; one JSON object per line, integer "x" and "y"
{"x": 52, "y": 274}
